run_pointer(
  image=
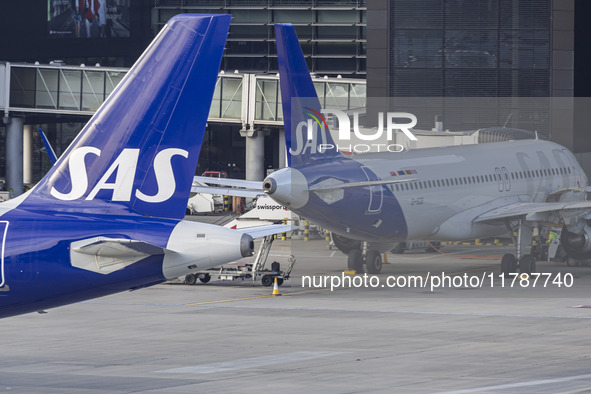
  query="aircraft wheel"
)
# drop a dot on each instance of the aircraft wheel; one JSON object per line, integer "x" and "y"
{"x": 191, "y": 279}
{"x": 373, "y": 262}
{"x": 355, "y": 260}
{"x": 508, "y": 264}
{"x": 267, "y": 280}
{"x": 204, "y": 278}
{"x": 527, "y": 264}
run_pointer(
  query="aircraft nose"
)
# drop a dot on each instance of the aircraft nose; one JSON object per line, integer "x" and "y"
{"x": 288, "y": 187}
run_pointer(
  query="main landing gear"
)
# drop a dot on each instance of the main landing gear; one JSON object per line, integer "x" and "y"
{"x": 372, "y": 259}
{"x": 524, "y": 262}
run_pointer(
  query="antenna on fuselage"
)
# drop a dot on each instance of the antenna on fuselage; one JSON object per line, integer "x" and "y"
{"x": 508, "y": 119}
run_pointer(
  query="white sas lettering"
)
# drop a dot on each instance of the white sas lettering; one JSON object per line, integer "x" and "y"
{"x": 77, "y": 168}
{"x": 124, "y": 167}
{"x": 164, "y": 175}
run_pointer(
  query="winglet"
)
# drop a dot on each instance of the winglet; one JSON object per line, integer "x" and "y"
{"x": 48, "y": 147}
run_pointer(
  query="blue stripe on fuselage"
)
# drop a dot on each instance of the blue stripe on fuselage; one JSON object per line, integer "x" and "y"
{"x": 351, "y": 215}
{"x": 39, "y": 274}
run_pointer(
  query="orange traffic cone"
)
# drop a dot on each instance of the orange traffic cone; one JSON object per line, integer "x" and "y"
{"x": 276, "y": 288}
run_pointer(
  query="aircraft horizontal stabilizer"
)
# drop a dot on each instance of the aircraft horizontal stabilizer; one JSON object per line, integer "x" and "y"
{"x": 531, "y": 211}
{"x": 222, "y": 191}
{"x": 255, "y": 185}
{"x": 107, "y": 247}
{"x": 263, "y": 231}
{"x": 106, "y": 255}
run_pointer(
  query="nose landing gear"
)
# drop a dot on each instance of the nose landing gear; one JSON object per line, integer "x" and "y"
{"x": 371, "y": 258}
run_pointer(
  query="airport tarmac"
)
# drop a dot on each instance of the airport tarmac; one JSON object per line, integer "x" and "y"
{"x": 236, "y": 337}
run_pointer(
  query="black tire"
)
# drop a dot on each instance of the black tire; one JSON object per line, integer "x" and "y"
{"x": 355, "y": 260}
{"x": 508, "y": 264}
{"x": 191, "y": 279}
{"x": 527, "y": 264}
{"x": 279, "y": 281}
{"x": 267, "y": 280}
{"x": 373, "y": 262}
{"x": 204, "y": 278}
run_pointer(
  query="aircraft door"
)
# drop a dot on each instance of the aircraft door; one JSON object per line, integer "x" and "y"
{"x": 576, "y": 177}
{"x": 376, "y": 192}
{"x": 499, "y": 177}
{"x": 3, "y": 231}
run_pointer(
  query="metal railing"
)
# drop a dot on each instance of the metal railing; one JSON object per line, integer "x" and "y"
{"x": 247, "y": 99}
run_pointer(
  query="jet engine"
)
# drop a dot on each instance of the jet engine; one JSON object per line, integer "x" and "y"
{"x": 577, "y": 246}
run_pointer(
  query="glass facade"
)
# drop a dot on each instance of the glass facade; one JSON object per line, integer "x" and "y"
{"x": 332, "y": 33}
{"x": 475, "y": 48}
{"x": 61, "y": 88}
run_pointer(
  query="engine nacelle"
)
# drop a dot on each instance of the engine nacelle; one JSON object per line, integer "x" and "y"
{"x": 577, "y": 245}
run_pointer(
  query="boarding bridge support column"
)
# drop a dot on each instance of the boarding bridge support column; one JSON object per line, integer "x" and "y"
{"x": 282, "y": 149}
{"x": 28, "y": 155}
{"x": 255, "y": 154}
{"x": 14, "y": 155}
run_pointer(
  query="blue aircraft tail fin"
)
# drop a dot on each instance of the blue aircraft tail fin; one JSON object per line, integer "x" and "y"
{"x": 301, "y": 108}
{"x": 48, "y": 147}
{"x": 139, "y": 152}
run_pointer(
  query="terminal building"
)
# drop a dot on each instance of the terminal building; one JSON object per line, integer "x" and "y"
{"x": 57, "y": 69}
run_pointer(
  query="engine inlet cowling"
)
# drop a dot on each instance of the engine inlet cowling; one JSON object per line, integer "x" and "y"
{"x": 577, "y": 246}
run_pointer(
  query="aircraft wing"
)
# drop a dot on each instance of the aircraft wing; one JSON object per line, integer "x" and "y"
{"x": 255, "y": 185}
{"x": 262, "y": 231}
{"x": 222, "y": 191}
{"x": 532, "y": 211}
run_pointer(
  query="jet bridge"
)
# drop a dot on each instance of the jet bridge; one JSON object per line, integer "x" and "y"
{"x": 252, "y": 101}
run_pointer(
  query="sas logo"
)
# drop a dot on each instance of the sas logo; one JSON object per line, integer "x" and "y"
{"x": 124, "y": 169}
